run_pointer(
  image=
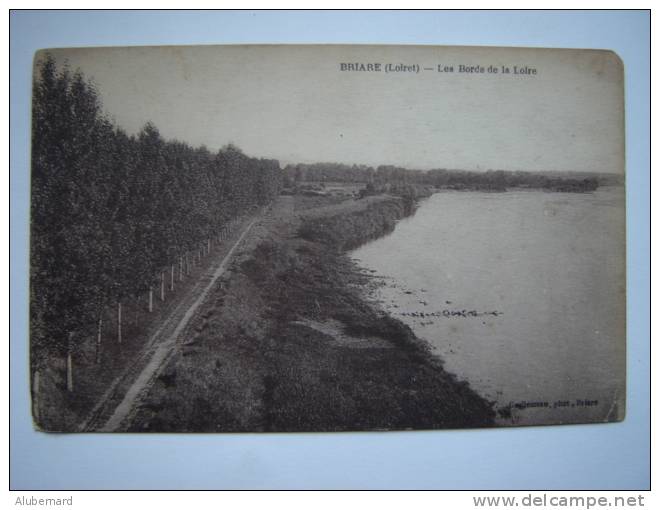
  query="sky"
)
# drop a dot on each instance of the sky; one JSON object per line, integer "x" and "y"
{"x": 295, "y": 104}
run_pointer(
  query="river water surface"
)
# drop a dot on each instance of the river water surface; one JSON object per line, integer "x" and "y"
{"x": 521, "y": 293}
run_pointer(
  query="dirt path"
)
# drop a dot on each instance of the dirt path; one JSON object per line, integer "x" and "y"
{"x": 119, "y": 404}
{"x": 116, "y": 407}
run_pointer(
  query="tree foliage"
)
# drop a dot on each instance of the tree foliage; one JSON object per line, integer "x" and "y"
{"x": 492, "y": 180}
{"x": 110, "y": 210}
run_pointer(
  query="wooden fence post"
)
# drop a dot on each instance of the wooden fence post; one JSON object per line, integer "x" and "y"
{"x": 69, "y": 364}
{"x": 119, "y": 322}
{"x": 98, "y": 340}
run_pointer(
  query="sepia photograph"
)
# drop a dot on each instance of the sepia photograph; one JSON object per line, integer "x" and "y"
{"x": 326, "y": 238}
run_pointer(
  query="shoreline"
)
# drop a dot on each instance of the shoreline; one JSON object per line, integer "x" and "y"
{"x": 400, "y": 293}
{"x": 289, "y": 342}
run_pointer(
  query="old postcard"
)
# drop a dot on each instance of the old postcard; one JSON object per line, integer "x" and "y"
{"x": 326, "y": 238}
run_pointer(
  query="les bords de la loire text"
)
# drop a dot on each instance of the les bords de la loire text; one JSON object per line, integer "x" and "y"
{"x": 378, "y": 67}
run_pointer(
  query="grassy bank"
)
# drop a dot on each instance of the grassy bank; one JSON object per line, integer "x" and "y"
{"x": 349, "y": 230}
{"x": 287, "y": 342}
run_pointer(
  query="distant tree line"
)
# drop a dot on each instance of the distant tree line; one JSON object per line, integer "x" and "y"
{"x": 492, "y": 180}
{"x": 110, "y": 211}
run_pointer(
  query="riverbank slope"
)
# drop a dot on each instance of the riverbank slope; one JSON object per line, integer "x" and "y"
{"x": 288, "y": 342}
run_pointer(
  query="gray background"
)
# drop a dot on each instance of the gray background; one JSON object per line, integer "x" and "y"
{"x": 584, "y": 456}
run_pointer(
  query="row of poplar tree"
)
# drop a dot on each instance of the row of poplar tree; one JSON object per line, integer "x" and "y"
{"x": 110, "y": 211}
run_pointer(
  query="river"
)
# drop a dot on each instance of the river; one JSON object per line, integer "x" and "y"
{"x": 521, "y": 293}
